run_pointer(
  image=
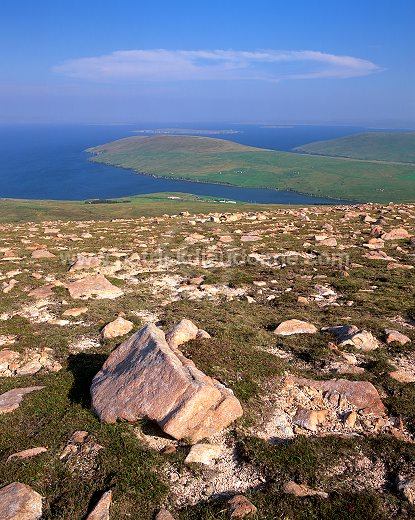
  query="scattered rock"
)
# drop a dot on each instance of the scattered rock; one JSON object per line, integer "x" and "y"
{"x": 10, "y": 401}
{"x": 85, "y": 262}
{"x": 394, "y": 265}
{"x": 43, "y": 292}
{"x": 93, "y": 285}
{"x": 349, "y": 419}
{"x": 146, "y": 378}
{"x": 328, "y": 242}
{"x": 26, "y": 454}
{"x": 163, "y": 514}
{"x": 118, "y": 327}
{"x": 250, "y": 238}
{"x": 407, "y": 488}
{"x": 403, "y": 376}
{"x": 351, "y": 335}
{"x": 203, "y": 453}
{"x": 20, "y": 502}
{"x": 361, "y": 394}
{"x": 29, "y": 368}
{"x": 300, "y": 490}
{"x": 396, "y": 234}
{"x": 286, "y": 328}
{"x": 202, "y": 334}
{"x": 240, "y": 507}
{"x": 181, "y": 332}
{"x": 27, "y": 363}
{"x": 42, "y": 253}
{"x": 310, "y": 419}
{"x": 75, "y": 311}
{"x": 80, "y": 454}
{"x": 394, "y": 336}
{"x": 102, "y": 510}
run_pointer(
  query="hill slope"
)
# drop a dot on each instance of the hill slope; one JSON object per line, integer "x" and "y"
{"x": 374, "y": 146}
{"x": 215, "y": 160}
{"x": 310, "y": 413}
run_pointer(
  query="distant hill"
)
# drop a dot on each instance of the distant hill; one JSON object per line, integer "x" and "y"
{"x": 205, "y": 159}
{"x": 373, "y": 146}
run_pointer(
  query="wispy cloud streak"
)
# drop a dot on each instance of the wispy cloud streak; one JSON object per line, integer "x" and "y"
{"x": 167, "y": 65}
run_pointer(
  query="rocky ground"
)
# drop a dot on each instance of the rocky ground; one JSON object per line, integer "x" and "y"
{"x": 307, "y": 315}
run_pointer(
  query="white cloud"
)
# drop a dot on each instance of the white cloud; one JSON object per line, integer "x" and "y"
{"x": 166, "y": 65}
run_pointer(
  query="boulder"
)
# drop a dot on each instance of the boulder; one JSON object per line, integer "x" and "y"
{"x": 240, "y": 507}
{"x": 395, "y": 265}
{"x": 118, "y": 327}
{"x": 10, "y": 401}
{"x": 93, "y": 285}
{"x": 20, "y": 502}
{"x": 102, "y": 510}
{"x": 286, "y": 328}
{"x": 26, "y": 454}
{"x": 203, "y": 334}
{"x": 75, "y": 311}
{"x": 351, "y": 335}
{"x": 250, "y": 238}
{"x": 403, "y": 376}
{"x": 181, "y": 332}
{"x": 44, "y": 292}
{"x": 300, "y": 490}
{"x": 349, "y": 419}
{"x": 394, "y": 336}
{"x": 146, "y": 378}
{"x": 361, "y": 394}
{"x": 42, "y": 253}
{"x": 85, "y": 262}
{"x": 163, "y": 514}
{"x": 309, "y": 419}
{"x": 203, "y": 454}
{"x": 7, "y": 356}
{"x": 396, "y": 234}
{"x": 379, "y": 255}
{"x": 407, "y": 488}
{"x": 328, "y": 242}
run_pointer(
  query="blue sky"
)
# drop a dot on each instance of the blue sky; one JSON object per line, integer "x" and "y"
{"x": 303, "y": 61}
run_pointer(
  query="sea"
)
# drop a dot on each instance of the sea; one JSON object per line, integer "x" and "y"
{"x": 50, "y": 162}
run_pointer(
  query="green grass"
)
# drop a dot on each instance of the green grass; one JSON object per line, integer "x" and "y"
{"x": 206, "y": 159}
{"x": 154, "y": 204}
{"x": 376, "y": 146}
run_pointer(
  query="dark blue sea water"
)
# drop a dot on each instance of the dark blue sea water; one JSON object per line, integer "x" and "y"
{"x": 49, "y": 162}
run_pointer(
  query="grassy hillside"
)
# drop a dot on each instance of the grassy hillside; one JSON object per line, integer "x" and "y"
{"x": 215, "y": 160}
{"x": 154, "y": 204}
{"x": 376, "y": 146}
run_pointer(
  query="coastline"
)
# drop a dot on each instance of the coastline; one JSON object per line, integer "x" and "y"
{"x": 336, "y": 201}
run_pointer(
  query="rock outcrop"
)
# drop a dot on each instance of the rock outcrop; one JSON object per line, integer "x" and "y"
{"x": 146, "y": 378}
